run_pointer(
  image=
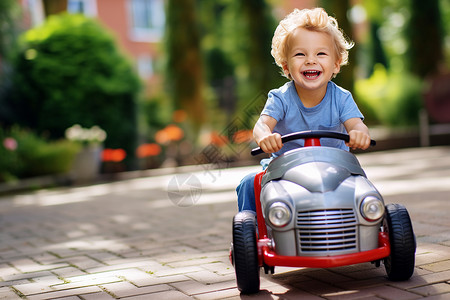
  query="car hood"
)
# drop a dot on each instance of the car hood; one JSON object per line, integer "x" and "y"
{"x": 317, "y": 176}
{"x": 316, "y": 168}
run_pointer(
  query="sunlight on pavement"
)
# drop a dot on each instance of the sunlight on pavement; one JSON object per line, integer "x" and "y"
{"x": 393, "y": 173}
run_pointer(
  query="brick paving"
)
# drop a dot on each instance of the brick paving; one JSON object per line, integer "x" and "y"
{"x": 127, "y": 239}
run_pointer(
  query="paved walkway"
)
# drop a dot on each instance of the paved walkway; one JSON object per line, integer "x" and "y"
{"x": 128, "y": 239}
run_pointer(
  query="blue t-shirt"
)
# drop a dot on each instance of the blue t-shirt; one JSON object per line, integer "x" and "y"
{"x": 284, "y": 105}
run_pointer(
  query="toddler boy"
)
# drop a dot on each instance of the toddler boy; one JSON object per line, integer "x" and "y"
{"x": 310, "y": 49}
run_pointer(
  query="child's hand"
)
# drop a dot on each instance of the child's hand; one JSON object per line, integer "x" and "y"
{"x": 358, "y": 140}
{"x": 270, "y": 143}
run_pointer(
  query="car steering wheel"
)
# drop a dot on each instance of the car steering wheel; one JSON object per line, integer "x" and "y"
{"x": 311, "y": 134}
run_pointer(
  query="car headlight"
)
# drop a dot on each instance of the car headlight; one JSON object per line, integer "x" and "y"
{"x": 279, "y": 214}
{"x": 372, "y": 208}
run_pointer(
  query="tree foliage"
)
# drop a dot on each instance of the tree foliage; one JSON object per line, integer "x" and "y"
{"x": 425, "y": 36}
{"x": 69, "y": 71}
{"x": 339, "y": 10}
{"x": 184, "y": 68}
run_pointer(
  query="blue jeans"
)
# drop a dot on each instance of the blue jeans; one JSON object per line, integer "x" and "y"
{"x": 246, "y": 189}
{"x": 246, "y": 193}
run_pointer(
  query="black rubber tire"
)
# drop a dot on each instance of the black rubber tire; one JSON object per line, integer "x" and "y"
{"x": 397, "y": 223}
{"x": 245, "y": 252}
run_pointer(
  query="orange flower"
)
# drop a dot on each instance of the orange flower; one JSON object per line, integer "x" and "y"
{"x": 114, "y": 155}
{"x": 218, "y": 140}
{"x": 168, "y": 134}
{"x": 146, "y": 150}
{"x": 242, "y": 136}
{"x": 174, "y": 132}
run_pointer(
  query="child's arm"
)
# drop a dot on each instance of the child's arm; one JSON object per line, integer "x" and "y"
{"x": 358, "y": 132}
{"x": 262, "y": 133}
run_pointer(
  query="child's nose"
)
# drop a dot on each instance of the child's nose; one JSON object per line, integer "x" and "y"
{"x": 310, "y": 60}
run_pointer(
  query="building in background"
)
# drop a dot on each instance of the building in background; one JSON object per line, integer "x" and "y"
{"x": 138, "y": 26}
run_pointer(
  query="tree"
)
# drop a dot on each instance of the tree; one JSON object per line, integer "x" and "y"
{"x": 339, "y": 9}
{"x": 184, "y": 68}
{"x": 9, "y": 11}
{"x": 69, "y": 71}
{"x": 425, "y": 36}
{"x": 250, "y": 28}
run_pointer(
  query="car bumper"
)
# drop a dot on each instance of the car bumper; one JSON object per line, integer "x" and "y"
{"x": 268, "y": 257}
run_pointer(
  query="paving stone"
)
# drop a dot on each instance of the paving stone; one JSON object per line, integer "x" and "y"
{"x": 221, "y": 294}
{"x": 219, "y": 268}
{"x": 192, "y": 287}
{"x": 13, "y": 282}
{"x": 350, "y": 294}
{"x": 387, "y": 292}
{"x": 434, "y": 289}
{"x": 24, "y": 276}
{"x": 68, "y": 272}
{"x": 176, "y": 271}
{"x": 126, "y": 289}
{"x": 84, "y": 262}
{"x": 418, "y": 281}
{"x": 97, "y": 296}
{"x": 8, "y": 293}
{"x": 6, "y": 270}
{"x": 33, "y": 288}
{"x": 65, "y": 293}
{"x": 208, "y": 277}
{"x": 439, "y": 297}
{"x": 172, "y": 295}
{"x": 437, "y": 266}
{"x": 327, "y": 276}
{"x": 28, "y": 265}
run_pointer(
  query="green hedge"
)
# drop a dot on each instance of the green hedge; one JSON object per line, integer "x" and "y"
{"x": 33, "y": 155}
{"x": 70, "y": 71}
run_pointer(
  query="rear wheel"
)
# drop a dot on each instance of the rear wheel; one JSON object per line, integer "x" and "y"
{"x": 245, "y": 252}
{"x": 397, "y": 223}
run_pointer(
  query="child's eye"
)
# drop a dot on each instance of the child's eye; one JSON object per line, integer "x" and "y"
{"x": 299, "y": 54}
{"x": 321, "y": 53}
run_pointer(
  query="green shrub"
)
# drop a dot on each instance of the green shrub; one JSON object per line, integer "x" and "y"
{"x": 70, "y": 71}
{"x": 34, "y": 156}
{"x": 390, "y": 98}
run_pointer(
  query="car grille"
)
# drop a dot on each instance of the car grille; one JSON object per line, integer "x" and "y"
{"x": 328, "y": 230}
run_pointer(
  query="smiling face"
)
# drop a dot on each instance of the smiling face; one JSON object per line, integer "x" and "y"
{"x": 311, "y": 60}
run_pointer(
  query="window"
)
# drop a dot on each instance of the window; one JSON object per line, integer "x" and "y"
{"x": 145, "y": 66}
{"x": 86, "y": 7}
{"x": 36, "y": 11}
{"x": 147, "y": 20}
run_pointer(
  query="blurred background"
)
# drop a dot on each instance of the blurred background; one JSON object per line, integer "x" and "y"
{"x": 91, "y": 87}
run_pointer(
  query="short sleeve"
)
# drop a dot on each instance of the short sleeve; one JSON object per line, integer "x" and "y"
{"x": 274, "y": 107}
{"x": 349, "y": 109}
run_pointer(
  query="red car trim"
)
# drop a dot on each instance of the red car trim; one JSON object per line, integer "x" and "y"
{"x": 312, "y": 142}
{"x": 259, "y": 215}
{"x": 270, "y": 258}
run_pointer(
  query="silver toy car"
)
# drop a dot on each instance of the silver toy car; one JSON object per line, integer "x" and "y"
{"x": 316, "y": 208}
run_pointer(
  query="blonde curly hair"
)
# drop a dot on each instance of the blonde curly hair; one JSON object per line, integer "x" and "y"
{"x": 311, "y": 19}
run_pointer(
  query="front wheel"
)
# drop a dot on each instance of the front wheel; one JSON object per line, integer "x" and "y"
{"x": 397, "y": 223}
{"x": 245, "y": 252}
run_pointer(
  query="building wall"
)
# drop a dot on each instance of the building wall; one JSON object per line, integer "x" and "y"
{"x": 116, "y": 16}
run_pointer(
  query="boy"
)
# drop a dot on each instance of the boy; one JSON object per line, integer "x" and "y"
{"x": 310, "y": 48}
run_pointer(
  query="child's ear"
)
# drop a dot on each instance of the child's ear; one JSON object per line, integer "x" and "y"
{"x": 337, "y": 68}
{"x": 286, "y": 70}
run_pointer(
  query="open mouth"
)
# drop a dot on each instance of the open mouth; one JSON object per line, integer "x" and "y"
{"x": 312, "y": 74}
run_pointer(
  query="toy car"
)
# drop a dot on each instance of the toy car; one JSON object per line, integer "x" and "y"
{"x": 316, "y": 208}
